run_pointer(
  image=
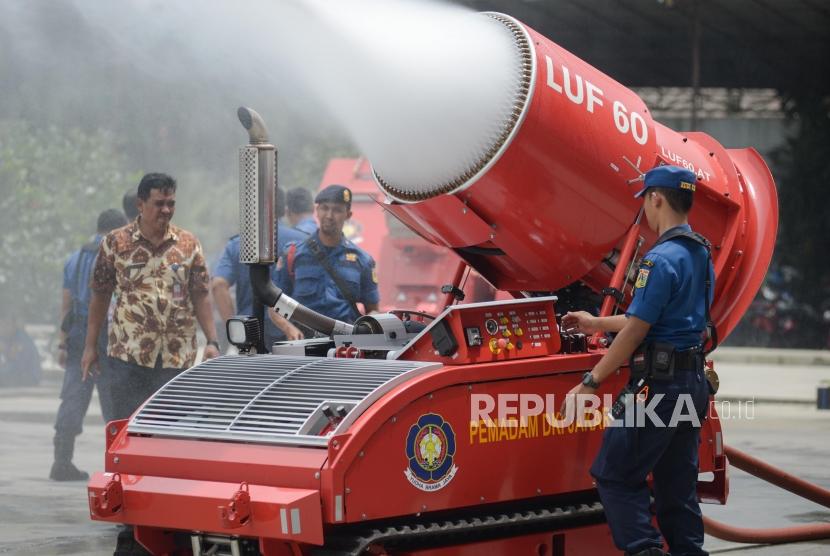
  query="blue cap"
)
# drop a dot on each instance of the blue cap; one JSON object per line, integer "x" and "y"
{"x": 670, "y": 177}
{"x": 335, "y": 194}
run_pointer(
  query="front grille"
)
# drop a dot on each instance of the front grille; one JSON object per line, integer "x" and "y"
{"x": 267, "y": 398}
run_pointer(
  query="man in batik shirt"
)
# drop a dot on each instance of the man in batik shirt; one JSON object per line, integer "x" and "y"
{"x": 157, "y": 275}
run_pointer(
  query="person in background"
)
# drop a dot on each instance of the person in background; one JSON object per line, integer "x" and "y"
{"x": 76, "y": 392}
{"x": 300, "y": 209}
{"x": 129, "y": 203}
{"x": 327, "y": 272}
{"x": 230, "y": 272}
{"x": 19, "y": 359}
{"x": 158, "y": 276}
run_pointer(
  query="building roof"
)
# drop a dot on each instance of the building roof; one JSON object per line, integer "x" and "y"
{"x": 781, "y": 44}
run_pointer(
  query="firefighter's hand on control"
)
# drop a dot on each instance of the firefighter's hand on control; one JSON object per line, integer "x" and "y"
{"x": 89, "y": 363}
{"x": 294, "y": 333}
{"x": 572, "y": 398}
{"x": 579, "y": 321}
{"x": 210, "y": 352}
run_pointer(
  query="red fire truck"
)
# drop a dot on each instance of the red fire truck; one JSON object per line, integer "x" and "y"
{"x": 381, "y": 438}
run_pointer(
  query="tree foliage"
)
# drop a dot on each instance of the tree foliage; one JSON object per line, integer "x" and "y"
{"x": 54, "y": 183}
{"x": 56, "y": 180}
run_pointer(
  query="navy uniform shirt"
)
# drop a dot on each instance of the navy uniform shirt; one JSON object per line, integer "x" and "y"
{"x": 313, "y": 287}
{"x": 76, "y": 274}
{"x": 237, "y": 273}
{"x": 307, "y": 225}
{"x": 669, "y": 292}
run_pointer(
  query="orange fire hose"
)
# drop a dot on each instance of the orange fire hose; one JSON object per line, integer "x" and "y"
{"x": 779, "y": 478}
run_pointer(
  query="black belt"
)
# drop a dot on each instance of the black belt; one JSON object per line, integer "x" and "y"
{"x": 688, "y": 360}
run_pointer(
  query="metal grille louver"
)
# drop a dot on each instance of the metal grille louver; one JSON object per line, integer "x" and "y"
{"x": 266, "y": 398}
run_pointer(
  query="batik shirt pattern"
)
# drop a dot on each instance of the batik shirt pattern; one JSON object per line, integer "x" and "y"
{"x": 153, "y": 289}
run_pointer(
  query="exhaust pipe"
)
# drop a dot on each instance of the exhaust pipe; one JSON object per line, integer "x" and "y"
{"x": 257, "y": 228}
{"x": 257, "y": 178}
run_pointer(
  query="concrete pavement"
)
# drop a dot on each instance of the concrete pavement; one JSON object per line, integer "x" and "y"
{"x": 40, "y": 517}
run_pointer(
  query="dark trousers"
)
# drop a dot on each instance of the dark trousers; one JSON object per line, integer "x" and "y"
{"x": 629, "y": 454}
{"x": 76, "y": 393}
{"x": 132, "y": 384}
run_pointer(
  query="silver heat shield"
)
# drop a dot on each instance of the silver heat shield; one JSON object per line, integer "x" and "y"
{"x": 257, "y": 176}
{"x": 257, "y": 225}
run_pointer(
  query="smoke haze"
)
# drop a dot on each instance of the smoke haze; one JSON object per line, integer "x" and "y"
{"x": 416, "y": 85}
{"x": 111, "y": 90}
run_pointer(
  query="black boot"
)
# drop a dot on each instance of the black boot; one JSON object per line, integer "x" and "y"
{"x": 63, "y": 469}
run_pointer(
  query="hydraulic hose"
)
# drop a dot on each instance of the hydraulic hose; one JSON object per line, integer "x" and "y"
{"x": 272, "y": 296}
{"x": 782, "y": 479}
{"x": 796, "y": 533}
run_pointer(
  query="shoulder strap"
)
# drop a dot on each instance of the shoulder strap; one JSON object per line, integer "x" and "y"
{"x": 676, "y": 233}
{"x": 290, "y": 257}
{"x": 338, "y": 281}
{"x": 712, "y": 332}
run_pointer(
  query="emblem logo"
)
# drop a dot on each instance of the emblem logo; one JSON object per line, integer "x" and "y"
{"x": 430, "y": 448}
{"x": 642, "y": 278}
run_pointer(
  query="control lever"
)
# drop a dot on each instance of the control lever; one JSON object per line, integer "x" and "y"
{"x": 457, "y": 293}
{"x": 331, "y": 416}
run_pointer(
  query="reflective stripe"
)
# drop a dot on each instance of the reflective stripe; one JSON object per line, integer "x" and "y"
{"x": 295, "y": 521}
{"x": 338, "y": 507}
{"x": 284, "y": 521}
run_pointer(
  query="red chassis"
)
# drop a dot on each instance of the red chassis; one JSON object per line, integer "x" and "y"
{"x": 293, "y": 497}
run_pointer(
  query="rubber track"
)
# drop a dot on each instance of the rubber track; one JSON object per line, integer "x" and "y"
{"x": 428, "y": 533}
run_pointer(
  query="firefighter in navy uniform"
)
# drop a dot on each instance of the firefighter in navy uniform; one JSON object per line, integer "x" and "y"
{"x": 326, "y": 272}
{"x": 76, "y": 392}
{"x": 229, "y": 271}
{"x": 664, "y": 328}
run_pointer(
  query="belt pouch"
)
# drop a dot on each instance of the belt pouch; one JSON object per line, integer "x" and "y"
{"x": 661, "y": 361}
{"x": 638, "y": 364}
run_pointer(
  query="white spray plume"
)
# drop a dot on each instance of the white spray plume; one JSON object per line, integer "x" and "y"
{"x": 422, "y": 87}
